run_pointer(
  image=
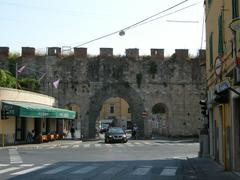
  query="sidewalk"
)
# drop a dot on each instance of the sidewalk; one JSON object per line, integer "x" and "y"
{"x": 55, "y": 143}
{"x": 206, "y": 169}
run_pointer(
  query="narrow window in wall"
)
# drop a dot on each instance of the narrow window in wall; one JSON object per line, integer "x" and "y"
{"x": 220, "y": 34}
{"x": 235, "y": 10}
{"x": 111, "y": 109}
{"x": 211, "y": 50}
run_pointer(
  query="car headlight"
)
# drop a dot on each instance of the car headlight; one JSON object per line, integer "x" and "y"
{"x": 124, "y": 135}
{"x": 110, "y": 136}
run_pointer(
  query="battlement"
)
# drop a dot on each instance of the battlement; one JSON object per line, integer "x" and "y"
{"x": 81, "y": 53}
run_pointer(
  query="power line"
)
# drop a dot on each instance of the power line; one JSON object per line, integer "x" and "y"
{"x": 133, "y": 25}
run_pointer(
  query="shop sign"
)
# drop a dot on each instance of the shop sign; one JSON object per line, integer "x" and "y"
{"x": 222, "y": 86}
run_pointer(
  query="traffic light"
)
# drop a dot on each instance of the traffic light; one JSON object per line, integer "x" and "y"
{"x": 204, "y": 110}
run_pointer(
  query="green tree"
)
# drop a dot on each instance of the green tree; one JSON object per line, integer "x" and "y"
{"x": 7, "y": 79}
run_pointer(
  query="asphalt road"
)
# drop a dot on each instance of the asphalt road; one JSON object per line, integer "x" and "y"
{"x": 137, "y": 159}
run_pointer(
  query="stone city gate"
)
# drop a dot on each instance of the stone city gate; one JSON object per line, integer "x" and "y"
{"x": 177, "y": 82}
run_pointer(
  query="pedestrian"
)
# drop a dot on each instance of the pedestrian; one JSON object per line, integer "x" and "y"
{"x": 134, "y": 131}
{"x": 72, "y": 131}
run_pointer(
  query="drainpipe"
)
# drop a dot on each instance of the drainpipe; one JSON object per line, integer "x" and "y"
{"x": 224, "y": 137}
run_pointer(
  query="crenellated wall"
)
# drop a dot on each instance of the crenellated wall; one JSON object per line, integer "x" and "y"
{"x": 177, "y": 82}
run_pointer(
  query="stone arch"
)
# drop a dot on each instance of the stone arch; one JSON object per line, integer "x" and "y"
{"x": 122, "y": 90}
{"x": 160, "y": 117}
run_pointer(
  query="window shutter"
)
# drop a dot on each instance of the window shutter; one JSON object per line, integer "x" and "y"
{"x": 220, "y": 34}
{"x": 211, "y": 50}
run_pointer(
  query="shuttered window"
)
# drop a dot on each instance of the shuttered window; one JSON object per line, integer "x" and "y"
{"x": 235, "y": 11}
{"x": 220, "y": 34}
{"x": 211, "y": 50}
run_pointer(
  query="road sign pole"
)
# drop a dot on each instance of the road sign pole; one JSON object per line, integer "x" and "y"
{"x": 2, "y": 134}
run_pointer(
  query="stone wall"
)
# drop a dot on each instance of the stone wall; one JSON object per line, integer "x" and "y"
{"x": 178, "y": 82}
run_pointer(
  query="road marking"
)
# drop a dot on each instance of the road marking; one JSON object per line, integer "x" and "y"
{"x": 169, "y": 171}
{"x": 57, "y": 170}
{"x": 9, "y": 169}
{"x": 142, "y": 170}
{"x": 97, "y": 145}
{"x": 4, "y": 165}
{"x": 86, "y": 145}
{"x": 26, "y": 165}
{"x": 129, "y": 144}
{"x": 63, "y": 147}
{"x": 84, "y": 170}
{"x": 119, "y": 145}
{"x": 108, "y": 145}
{"x": 113, "y": 170}
{"x": 14, "y": 157}
{"x": 76, "y": 146}
{"x": 28, "y": 170}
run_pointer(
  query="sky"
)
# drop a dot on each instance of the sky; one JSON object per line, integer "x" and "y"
{"x": 59, "y": 23}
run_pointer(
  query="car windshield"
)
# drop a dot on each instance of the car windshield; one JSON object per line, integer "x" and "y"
{"x": 104, "y": 126}
{"x": 116, "y": 130}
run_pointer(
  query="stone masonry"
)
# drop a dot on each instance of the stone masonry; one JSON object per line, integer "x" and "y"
{"x": 177, "y": 82}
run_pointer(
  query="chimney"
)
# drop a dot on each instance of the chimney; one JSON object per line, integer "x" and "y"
{"x": 4, "y": 52}
{"x": 181, "y": 54}
{"x": 80, "y": 53}
{"x": 132, "y": 53}
{"x": 106, "y": 52}
{"x": 54, "y": 51}
{"x": 28, "y": 52}
{"x": 157, "y": 54}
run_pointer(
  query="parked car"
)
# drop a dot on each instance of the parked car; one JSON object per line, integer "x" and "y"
{"x": 115, "y": 134}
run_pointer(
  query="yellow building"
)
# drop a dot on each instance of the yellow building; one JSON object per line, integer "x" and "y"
{"x": 116, "y": 108}
{"x": 223, "y": 79}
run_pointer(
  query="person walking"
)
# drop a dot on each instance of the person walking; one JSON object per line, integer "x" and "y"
{"x": 72, "y": 131}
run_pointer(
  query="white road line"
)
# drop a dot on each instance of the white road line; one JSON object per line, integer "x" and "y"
{"x": 9, "y": 169}
{"x": 14, "y": 157}
{"x": 98, "y": 145}
{"x": 63, "y": 147}
{"x": 141, "y": 171}
{"x": 169, "y": 171}
{"x": 57, "y": 170}
{"x": 108, "y": 145}
{"x": 86, "y": 145}
{"x": 28, "y": 170}
{"x": 4, "y": 165}
{"x": 27, "y": 165}
{"x": 84, "y": 170}
{"x": 113, "y": 170}
{"x": 147, "y": 143}
{"x": 119, "y": 145}
{"x": 76, "y": 146}
{"x": 129, "y": 144}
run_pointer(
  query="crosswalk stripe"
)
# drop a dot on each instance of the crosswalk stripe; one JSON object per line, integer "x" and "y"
{"x": 57, "y": 170}
{"x": 97, "y": 145}
{"x": 108, "y": 145}
{"x": 113, "y": 170}
{"x": 28, "y": 170}
{"x": 14, "y": 157}
{"x": 84, "y": 170}
{"x": 141, "y": 171}
{"x": 129, "y": 144}
{"x": 86, "y": 145}
{"x": 9, "y": 169}
{"x": 63, "y": 147}
{"x": 4, "y": 165}
{"x": 26, "y": 165}
{"x": 169, "y": 171}
{"x": 76, "y": 146}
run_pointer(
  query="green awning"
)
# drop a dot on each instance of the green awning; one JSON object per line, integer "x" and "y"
{"x": 26, "y": 109}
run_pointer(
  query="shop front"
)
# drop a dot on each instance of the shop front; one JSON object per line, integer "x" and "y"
{"x": 18, "y": 119}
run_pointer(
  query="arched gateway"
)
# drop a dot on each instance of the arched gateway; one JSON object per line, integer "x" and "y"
{"x": 122, "y": 90}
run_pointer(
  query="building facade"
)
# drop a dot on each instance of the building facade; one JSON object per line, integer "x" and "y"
{"x": 24, "y": 112}
{"x": 223, "y": 79}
